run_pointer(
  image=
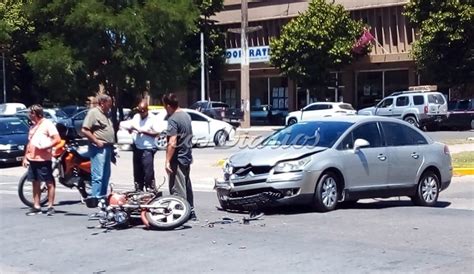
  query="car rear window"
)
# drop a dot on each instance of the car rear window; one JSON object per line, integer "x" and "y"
{"x": 346, "y": 106}
{"x": 418, "y": 100}
{"x": 402, "y": 101}
{"x": 463, "y": 105}
{"x": 435, "y": 99}
{"x": 220, "y": 105}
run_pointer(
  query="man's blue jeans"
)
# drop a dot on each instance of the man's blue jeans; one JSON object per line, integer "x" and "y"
{"x": 100, "y": 169}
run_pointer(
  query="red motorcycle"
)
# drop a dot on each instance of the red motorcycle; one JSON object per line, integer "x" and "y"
{"x": 70, "y": 168}
{"x": 151, "y": 207}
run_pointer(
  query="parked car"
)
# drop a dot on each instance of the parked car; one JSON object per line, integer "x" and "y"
{"x": 267, "y": 115}
{"x": 24, "y": 117}
{"x": 336, "y": 159}
{"x": 421, "y": 109}
{"x": 318, "y": 110}
{"x": 13, "y": 139}
{"x": 206, "y": 131}
{"x": 219, "y": 111}
{"x": 71, "y": 110}
{"x": 125, "y": 138}
{"x": 74, "y": 123}
{"x": 11, "y": 108}
{"x": 460, "y": 115}
{"x": 52, "y": 114}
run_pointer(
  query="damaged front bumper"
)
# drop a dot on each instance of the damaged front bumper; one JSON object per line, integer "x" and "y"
{"x": 256, "y": 192}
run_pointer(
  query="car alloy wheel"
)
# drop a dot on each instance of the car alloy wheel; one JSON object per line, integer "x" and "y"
{"x": 326, "y": 193}
{"x": 428, "y": 190}
{"x": 412, "y": 120}
{"x": 220, "y": 138}
{"x": 291, "y": 121}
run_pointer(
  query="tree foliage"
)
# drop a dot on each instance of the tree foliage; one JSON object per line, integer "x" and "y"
{"x": 445, "y": 49}
{"x": 124, "y": 44}
{"x": 16, "y": 31}
{"x": 318, "y": 41}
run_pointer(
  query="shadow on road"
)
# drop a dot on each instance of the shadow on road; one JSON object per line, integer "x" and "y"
{"x": 64, "y": 203}
{"x": 376, "y": 204}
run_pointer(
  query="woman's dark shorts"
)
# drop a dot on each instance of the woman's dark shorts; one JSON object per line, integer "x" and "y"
{"x": 40, "y": 171}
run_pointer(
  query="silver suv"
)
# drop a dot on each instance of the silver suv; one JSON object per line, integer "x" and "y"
{"x": 421, "y": 109}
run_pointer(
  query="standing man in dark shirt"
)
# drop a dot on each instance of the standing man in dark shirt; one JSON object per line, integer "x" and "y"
{"x": 179, "y": 151}
{"x": 99, "y": 130}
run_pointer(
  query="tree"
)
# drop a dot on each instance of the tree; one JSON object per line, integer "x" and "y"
{"x": 445, "y": 48}
{"x": 318, "y": 41}
{"x": 15, "y": 36}
{"x": 124, "y": 44}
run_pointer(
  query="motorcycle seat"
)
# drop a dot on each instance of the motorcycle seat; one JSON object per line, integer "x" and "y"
{"x": 80, "y": 156}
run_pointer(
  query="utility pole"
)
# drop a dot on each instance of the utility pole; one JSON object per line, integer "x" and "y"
{"x": 244, "y": 68}
{"x": 2, "y": 48}
{"x": 203, "y": 95}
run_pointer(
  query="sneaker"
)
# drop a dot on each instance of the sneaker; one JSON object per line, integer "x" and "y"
{"x": 50, "y": 211}
{"x": 193, "y": 217}
{"x": 34, "y": 211}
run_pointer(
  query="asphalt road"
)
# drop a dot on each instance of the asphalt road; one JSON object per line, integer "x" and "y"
{"x": 372, "y": 236}
{"x": 376, "y": 235}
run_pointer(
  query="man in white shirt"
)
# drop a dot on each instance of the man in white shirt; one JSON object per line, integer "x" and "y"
{"x": 144, "y": 147}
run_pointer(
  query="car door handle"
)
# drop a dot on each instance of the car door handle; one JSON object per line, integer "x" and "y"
{"x": 382, "y": 157}
{"x": 415, "y": 155}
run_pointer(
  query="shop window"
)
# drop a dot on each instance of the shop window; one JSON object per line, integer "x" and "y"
{"x": 369, "y": 88}
{"x": 230, "y": 94}
{"x": 279, "y": 93}
{"x": 258, "y": 92}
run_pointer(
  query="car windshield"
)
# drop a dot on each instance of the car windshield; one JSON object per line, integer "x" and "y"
{"x": 60, "y": 114}
{"x": 8, "y": 127}
{"x": 219, "y": 105}
{"x": 322, "y": 134}
{"x": 346, "y": 106}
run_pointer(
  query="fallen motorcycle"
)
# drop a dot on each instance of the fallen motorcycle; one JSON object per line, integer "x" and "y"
{"x": 151, "y": 207}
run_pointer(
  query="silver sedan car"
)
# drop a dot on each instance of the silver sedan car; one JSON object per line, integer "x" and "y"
{"x": 337, "y": 159}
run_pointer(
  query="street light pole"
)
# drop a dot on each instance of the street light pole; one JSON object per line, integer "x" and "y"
{"x": 4, "y": 79}
{"x": 203, "y": 96}
{"x": 244, "y": 67}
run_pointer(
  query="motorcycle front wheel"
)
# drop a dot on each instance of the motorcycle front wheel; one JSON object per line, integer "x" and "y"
{"x": 25, "y": 191}
{"x": 169, "y": 212}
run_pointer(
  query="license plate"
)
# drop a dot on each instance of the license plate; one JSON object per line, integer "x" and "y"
{"x": 19, "y": 159}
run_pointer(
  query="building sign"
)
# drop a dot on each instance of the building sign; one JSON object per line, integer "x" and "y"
{"x": 256, "y": 55}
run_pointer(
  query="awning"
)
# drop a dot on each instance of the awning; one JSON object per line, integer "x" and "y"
{"x": 288, "y": 10}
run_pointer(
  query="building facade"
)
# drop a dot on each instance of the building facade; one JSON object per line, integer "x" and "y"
{"x": 387, "y": 68}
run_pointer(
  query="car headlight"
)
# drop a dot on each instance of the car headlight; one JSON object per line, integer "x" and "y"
{"x": 227, "y": 167}
{"x": 5, "y": 147}
{"x": 292, "y": 166}
{"x": 21, "y": 147}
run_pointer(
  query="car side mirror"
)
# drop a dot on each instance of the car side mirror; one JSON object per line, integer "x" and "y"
{"x": 360, "y": 143}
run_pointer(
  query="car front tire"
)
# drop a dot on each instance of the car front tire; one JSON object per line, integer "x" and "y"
{"x": 292, "y": 121}
{"x": 326, "y": 192}
{"x": 411, "y": 120}
{"x": 427, "y": 191}
{"x": 220, "y": 138}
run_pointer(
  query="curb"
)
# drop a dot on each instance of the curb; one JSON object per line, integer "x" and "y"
{"x": 463, "y": 171}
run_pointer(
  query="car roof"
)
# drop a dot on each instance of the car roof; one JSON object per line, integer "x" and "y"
{"x": 358, "y": 119}
{"x": 9, "y": 118}
{"x": 329, "y": 103}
